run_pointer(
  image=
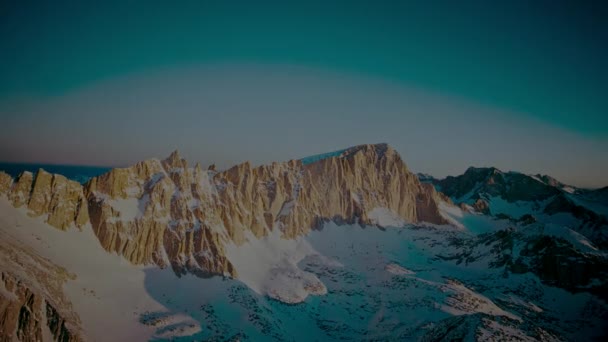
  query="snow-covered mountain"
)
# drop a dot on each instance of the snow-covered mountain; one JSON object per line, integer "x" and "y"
{"x": 518, "y": 196}
{"x": 347, "y": 245}
{"x": 165, "y": 213}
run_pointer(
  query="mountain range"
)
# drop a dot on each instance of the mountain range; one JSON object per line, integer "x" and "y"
{"x": 351, "y": 242}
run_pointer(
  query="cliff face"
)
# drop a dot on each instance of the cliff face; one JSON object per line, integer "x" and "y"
{"x": 166, "y": 213}
{"x": 61, "y": 201}
{"x": 28, "y": 316}
{"x": 160, "y": 212}
{"x": 32, "y": 304}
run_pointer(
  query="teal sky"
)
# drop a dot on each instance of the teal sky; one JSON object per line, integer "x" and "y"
{"x": 533, "y": 61}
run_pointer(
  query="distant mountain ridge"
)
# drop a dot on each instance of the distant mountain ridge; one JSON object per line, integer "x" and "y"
{"x": 512, "y": 194}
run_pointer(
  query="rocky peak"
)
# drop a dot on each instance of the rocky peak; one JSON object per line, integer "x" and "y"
{"x": 165, "y": 213}
{"x": 59, "y": 200}
{"x": 485, "y": 189}
{"x": 480, "y": 174}
{"x": 185, "y": 218}
{"x": 379, "y": 150}
{"x": 174, "y": 161}
{"x": 485, "y": 182}
{"x": 237, "y": 172}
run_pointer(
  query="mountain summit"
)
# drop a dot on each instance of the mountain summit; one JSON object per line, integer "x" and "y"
{"x": 165, "y": 213}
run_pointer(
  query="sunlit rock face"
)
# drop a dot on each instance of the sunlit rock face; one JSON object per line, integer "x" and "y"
{"x": 59, "y": 200}
{"x": 159, "y": 212}
{"x": 166, "y": 213}
{"x": 6, "y": 182}
{"x": 33, "y": 306}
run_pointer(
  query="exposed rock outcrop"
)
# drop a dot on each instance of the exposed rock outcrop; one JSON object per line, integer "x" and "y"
{"x": 481, "y": 206}
{"x": 483, "y": 327}
{"x": 509, "y": 195}
{"x": 166, "y": 213}
{"x": 556, "y": 261}
{"x": 559, "y": 264}
{"x": 490, "y": 181}
{"x": 32, "y": 304}
{"x": 6, "y": 182}
{"x": 28, "y": 316}
{"x": 19, "y": 193}
{"x": 61, "y": 201}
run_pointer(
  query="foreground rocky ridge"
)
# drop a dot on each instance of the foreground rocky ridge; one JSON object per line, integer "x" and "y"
{"x": 28, "y": 315}
{"x": 33, "y": 306}
{"x": 166, "y": 213}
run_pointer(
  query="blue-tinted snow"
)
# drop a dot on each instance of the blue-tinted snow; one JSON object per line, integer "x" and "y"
{"x": 365, "y": 300}
{"x": 316, "y": 158}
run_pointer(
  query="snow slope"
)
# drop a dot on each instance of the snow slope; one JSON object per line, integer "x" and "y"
{"x": 269, "y": 266}
{"x": 385, "y": 217}
{"x": 107, "y": 292}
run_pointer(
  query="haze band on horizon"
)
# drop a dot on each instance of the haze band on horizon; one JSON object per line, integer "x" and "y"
{"x": 515, "y": 85}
